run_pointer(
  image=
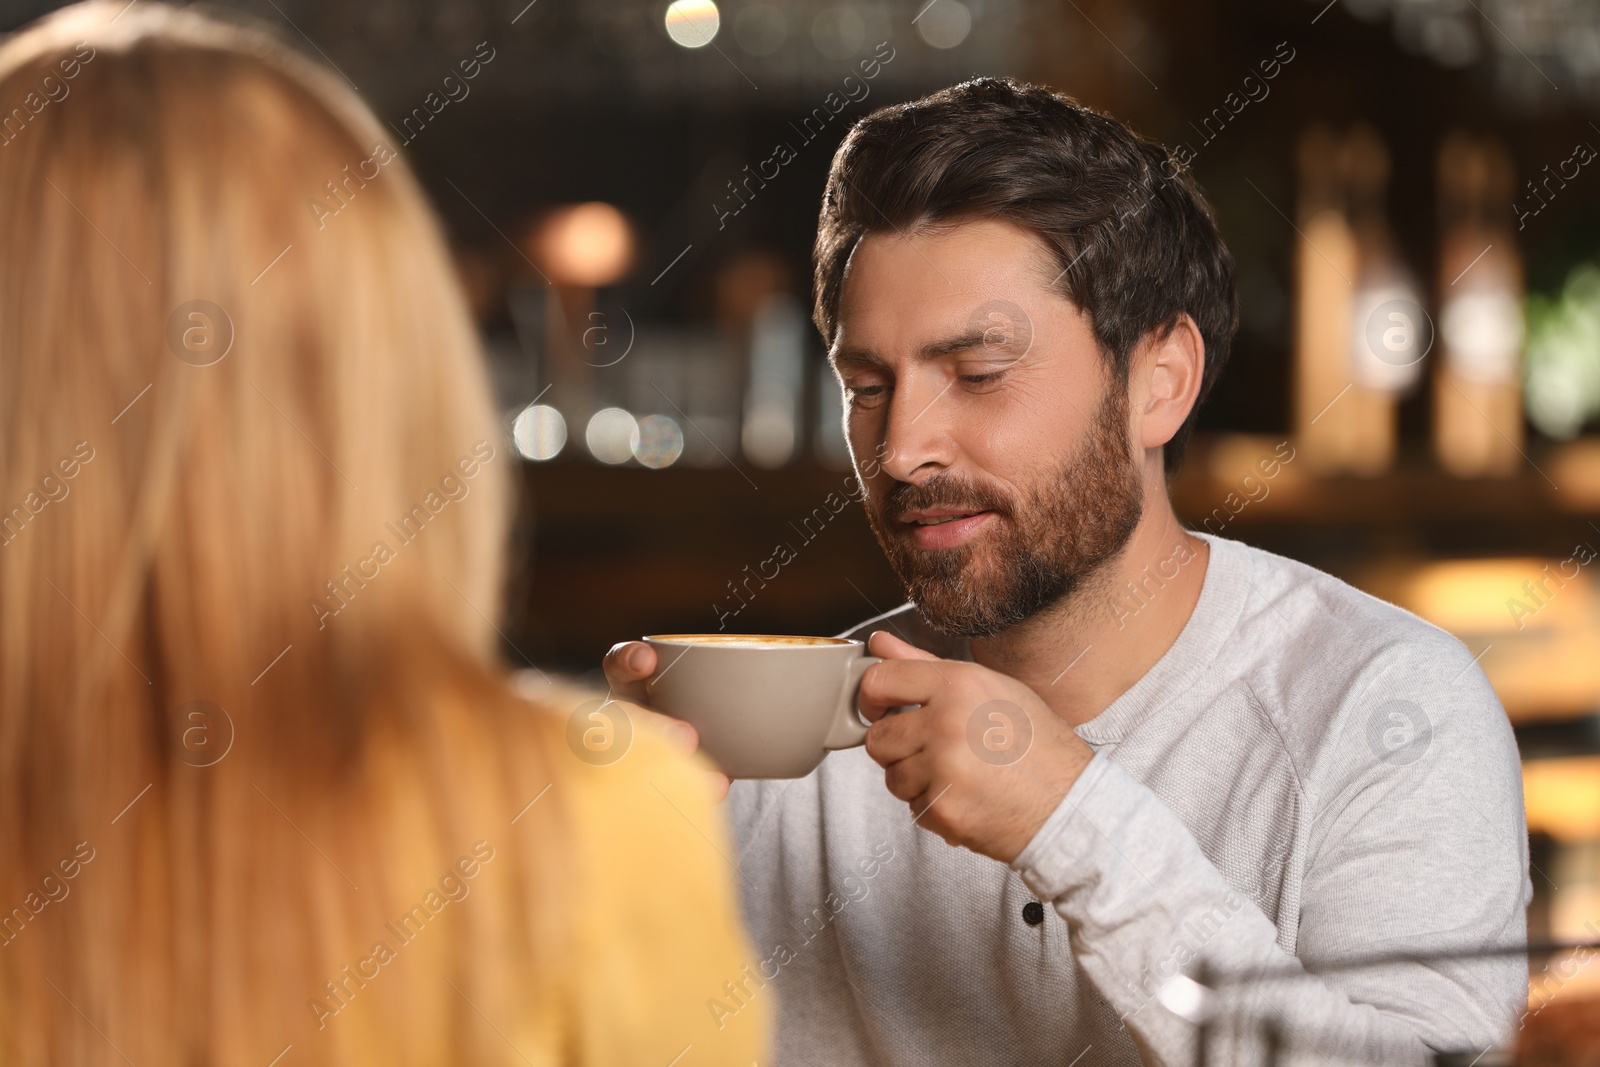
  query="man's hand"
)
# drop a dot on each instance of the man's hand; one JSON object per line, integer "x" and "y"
{"x": 982, "y": 761}
{"x": 628, "y": 666}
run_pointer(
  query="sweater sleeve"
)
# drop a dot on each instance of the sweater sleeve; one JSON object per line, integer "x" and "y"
{"x": 1142, "y": 903}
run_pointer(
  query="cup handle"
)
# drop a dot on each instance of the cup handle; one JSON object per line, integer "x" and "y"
{"x": 847, "y": 730}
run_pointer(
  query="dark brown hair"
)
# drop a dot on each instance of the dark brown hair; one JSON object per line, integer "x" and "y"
{"x": 1131, "y": 231}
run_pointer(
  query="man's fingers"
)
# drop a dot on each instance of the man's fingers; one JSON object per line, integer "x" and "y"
{"x": 907, "y": 779}
{"x": 630, "y": 660}
{"x": 677, "y": 731}
{"x": 894, "y": 737}
{"x": 888, "y": 646}
{"x": 897, "y": 683}
{"x": 627, "y": 666}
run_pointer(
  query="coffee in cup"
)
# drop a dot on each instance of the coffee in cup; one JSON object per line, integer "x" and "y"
{"x": 766, "y": 706}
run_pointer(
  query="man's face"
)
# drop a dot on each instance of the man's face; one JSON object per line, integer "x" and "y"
{"x": 1004, "y": 474}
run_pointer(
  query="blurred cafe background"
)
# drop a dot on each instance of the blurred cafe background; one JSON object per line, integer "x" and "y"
{"x": 1410, "y": 188}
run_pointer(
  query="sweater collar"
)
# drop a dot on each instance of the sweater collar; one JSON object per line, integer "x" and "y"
{"x": 1215, "y": 617}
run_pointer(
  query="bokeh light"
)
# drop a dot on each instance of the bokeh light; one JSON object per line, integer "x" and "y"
{"x": 539, "y": 432}
{"x": 693, "y": 23}
{"x": 768, "y": 436}
{"x": 660, "y": 441}
{"x": 945, "y": 23}
{"x": 585, "y": 244}
{"x": 1563, "y": 355}
{"x": 612, "y": 436}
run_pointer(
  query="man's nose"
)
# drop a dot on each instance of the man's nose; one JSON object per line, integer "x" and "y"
{"x": 917, "y": 438}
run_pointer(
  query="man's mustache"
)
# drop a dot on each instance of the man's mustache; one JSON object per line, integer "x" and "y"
{"x": 943, "y": 491}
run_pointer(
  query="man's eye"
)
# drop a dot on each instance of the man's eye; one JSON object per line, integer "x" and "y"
{"x": 983, "y": 378}
{"x": 867, "y": 393}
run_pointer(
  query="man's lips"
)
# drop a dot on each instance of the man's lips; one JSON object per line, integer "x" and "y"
{"x": 943, "y": 527}
{"x": 934, "y": 516}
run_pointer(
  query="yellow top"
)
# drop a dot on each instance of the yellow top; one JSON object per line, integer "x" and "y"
{"x": 656, "y": 930}
{"x": 644, "y": 960}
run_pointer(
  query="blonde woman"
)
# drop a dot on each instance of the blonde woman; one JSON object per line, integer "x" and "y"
{"x": 265, "y": 795}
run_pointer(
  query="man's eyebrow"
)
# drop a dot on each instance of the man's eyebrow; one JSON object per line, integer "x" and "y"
{"x": 948, "y": 346}
{"x": 857, "y": 357}
{"x": 951, "y": 345}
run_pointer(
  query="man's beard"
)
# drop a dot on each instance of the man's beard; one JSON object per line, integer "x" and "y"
{"x": 1035, "y": 552}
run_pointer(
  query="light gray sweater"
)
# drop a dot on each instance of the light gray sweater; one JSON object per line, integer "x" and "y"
{"x": 1306, "y": 776}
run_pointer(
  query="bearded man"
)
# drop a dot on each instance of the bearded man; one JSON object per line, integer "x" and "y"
{"x": 1122, "y": 777}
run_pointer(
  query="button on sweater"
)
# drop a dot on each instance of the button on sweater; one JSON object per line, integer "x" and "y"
{"x": 1307, "y": 776}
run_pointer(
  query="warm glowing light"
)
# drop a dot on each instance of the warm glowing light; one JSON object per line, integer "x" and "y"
{"x": 1482, "y": 331}
{"x": 585, "y": 245}
{"x": 1234, "y": 457}
{"x": 693, "y": 23}
{"x": 1340, "y": 424}
{"x": 1489, "y": 595}
{"x": 1531, "y": 623}
{"x": 1563, "y": 797}
{"x": 1575, "y": 467}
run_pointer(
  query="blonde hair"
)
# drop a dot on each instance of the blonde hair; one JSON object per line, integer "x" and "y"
{"x": 249, "y": 459}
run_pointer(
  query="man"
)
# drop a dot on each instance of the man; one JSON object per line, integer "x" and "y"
{"x": 1155, "y": 750}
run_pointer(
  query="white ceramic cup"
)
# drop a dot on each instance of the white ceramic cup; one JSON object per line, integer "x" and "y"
{"x": 765, "y": 706}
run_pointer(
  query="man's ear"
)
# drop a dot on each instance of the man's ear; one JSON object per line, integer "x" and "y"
{"x": 1164, "y": 381}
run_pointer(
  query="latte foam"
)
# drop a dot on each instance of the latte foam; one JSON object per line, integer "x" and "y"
{"x": 749, "y": 640}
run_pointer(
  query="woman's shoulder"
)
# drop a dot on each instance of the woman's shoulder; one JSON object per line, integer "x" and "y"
{"x": 631, "y": 790}
{"x": 656, "y": 928}
{"x": 607, "y": 749}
